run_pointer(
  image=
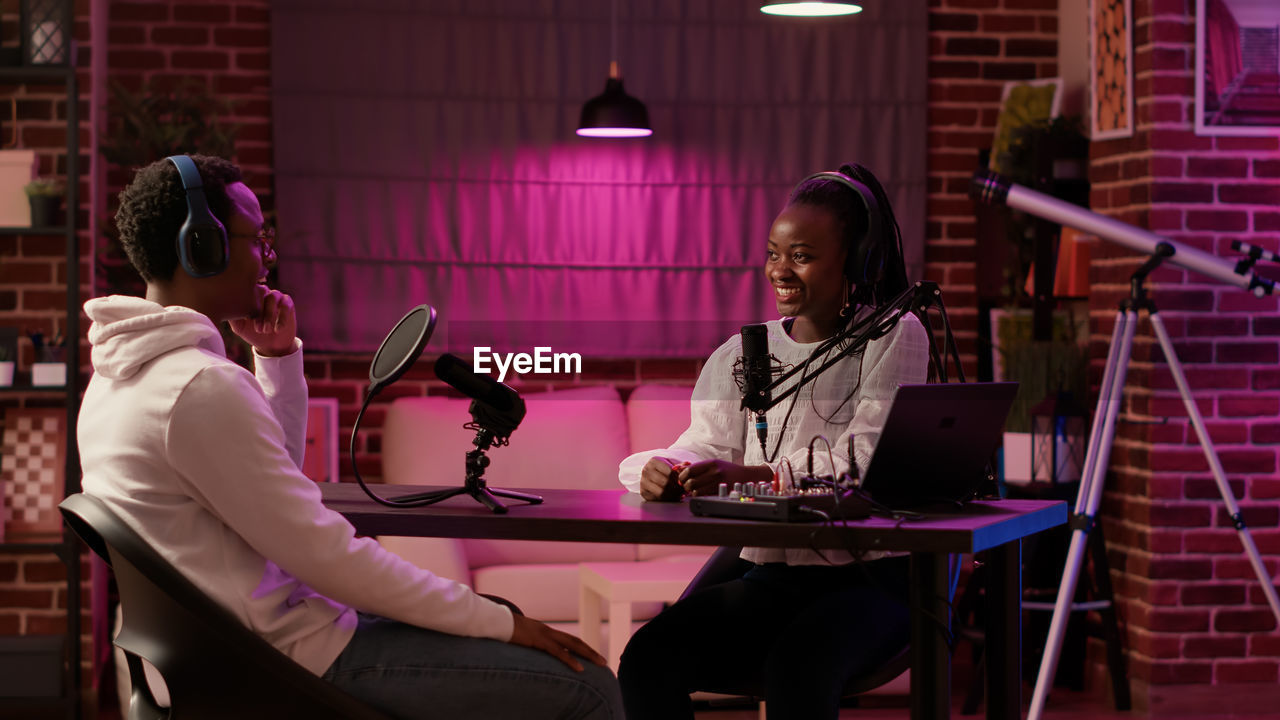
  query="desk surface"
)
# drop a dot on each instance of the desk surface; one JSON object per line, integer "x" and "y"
{"x": 618, "y": 516}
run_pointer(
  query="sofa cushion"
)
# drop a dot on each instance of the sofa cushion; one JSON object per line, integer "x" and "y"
{"x": 656, "y": 415}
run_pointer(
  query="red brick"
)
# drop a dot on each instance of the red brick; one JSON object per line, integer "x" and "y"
{"x": 1218, "y": 220}
{"x": 1248, "y": 352}
{"x": 1224, "y": 142}
{"x": 1266, "y": 168}
{"x": 1176, "y": 620}
{"x": 187, "y": 35}
{"x": 246, "y": 14}
{"x": 1213, "y": 646}
{"x": 953, "y": 69}
{"x": 1250, "y": 671}
{"x": 1212, "y": 593}
{"x": 1254, "y": 194}
{"x": 13, "y": 271}
{"x": 242, "y": 37}
{"x": 1265, "y": 221}
{"x": 26, "y": 598}
{"x": 1228, "y": 167}
{"x": 248, "y": 60}
{"x": 1167, "y": 192}
{"x": 1030, "y": 47}
{"x": 200, "y": 60}
{"x": 135, "y": 59}
{"x": 201, "y": 13}
{"x": 959, "y": 22}
{"x": 139, "y": 11}
{"x": 999, "y": 70}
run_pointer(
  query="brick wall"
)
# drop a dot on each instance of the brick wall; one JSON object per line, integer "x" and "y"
{"x": 1194, "y": 611}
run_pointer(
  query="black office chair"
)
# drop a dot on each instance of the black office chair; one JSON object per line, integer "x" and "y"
{"x": 213, "y": 665}
{"x": 725, "y": 565}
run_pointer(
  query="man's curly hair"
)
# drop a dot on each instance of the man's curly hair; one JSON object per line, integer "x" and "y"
{"x": 154, "y": 206}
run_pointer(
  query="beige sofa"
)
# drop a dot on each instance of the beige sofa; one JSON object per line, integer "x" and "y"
{"x": 569, "y": 439}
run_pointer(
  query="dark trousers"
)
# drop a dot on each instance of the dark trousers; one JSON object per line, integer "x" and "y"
{"x": 792, "y": 635}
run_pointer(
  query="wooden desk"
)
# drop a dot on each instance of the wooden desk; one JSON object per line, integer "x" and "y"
{"x": 616, "y": 516}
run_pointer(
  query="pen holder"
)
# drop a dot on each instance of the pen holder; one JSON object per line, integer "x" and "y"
{"x": 48, "y": 374}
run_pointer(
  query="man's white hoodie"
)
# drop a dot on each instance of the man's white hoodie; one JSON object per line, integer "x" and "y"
{"x": 202, "y": 459}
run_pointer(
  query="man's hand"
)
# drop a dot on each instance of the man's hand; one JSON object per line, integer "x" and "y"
{"x": 531, "y": 633}
{"x": 658, "y": 480}
{"x": 272, "y": 330}
{"x": 703, "y": 478}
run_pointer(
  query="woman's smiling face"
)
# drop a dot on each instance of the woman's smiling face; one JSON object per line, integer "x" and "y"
{"x": 805, "y": 267}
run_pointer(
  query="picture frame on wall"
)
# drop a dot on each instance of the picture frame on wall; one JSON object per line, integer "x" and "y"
{"x": 320, "y": 459}
{"x": 1024, "y": 103}
{"x": 1110, "y": 69}
{"x": 1237, "y": 67}
{"x": 32, "y": 472}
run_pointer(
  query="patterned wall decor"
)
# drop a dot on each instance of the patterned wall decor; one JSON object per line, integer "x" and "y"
{"x": 31, "y": 471}
{"x": 1111, "y": 67}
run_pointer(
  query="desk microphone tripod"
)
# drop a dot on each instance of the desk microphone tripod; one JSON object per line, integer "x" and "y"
{"x": 992, "y": 188}
{"x": 474, "y": 485}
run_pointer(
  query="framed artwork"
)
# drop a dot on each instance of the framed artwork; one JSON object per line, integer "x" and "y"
{"x": 1023, "y": 104}
{"x": 1111, "y": 69}
{"x": 32, "y": 467}
{"x": 320, "y": 461}
{"x": 1237, "y": 67}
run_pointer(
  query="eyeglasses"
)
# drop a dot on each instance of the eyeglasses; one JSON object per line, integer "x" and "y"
{"x": 266, "y": 242}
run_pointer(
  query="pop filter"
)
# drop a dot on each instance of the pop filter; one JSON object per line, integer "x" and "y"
{"x": 401, "y": 348}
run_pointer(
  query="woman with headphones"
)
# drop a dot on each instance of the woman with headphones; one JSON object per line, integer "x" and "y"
{"x": 799, "y": 623}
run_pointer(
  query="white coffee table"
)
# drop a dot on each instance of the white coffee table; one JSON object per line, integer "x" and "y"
{"x": 621, "y": 584}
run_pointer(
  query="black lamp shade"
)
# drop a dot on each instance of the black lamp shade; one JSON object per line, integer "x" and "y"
{"x": 614, "y": 113}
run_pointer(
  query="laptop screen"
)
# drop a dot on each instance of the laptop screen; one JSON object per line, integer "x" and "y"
{"x": 937, "y": 441}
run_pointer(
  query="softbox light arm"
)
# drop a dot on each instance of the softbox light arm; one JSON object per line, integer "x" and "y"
{"x": 992, "y": 189}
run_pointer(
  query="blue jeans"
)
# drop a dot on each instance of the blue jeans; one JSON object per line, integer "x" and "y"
{"x": 409, "y": 672}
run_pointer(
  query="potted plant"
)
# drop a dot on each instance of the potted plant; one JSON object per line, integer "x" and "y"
{"x": 45, "y": 196}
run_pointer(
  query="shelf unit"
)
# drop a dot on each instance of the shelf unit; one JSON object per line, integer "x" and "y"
{"x": 67, "y": 546}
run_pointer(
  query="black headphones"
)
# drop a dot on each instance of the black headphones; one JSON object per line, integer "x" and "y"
{"x": 202, "y": 242}
{"x": 864, "y": 264}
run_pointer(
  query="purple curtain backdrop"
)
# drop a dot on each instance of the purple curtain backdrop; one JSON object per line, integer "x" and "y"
{"x": 425, "y": 153}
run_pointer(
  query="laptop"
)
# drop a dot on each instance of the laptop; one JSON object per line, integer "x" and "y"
{"x": 936, "y": 443}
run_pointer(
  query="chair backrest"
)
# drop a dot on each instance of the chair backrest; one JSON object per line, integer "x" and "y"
{"x": 213, "y": 665}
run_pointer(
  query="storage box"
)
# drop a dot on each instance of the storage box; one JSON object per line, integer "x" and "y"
{"x": 31, "y": 666}
{"x": 48, "y": 374}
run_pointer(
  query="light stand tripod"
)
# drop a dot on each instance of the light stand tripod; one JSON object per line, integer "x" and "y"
{"x": 991, "y": 188}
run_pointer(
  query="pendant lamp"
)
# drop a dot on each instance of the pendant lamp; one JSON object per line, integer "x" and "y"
{"x": 816, "y": 8}
{"x": 614, "y": 113}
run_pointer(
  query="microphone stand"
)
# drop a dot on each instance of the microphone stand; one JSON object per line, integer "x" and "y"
{"x": 992, "y": 189}
{"x": 474, "y": 484}
{"x": 876, "y": 324}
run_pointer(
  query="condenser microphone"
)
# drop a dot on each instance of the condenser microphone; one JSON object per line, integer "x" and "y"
{"x": 757, "y": 375}
{"x": 477, "y": 386}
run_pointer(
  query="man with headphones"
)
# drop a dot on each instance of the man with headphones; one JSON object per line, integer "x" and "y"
{"x": 202, "y": 457}
{"x": 796, "y": 624}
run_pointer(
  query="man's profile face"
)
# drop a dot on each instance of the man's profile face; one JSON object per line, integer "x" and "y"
{"x": 242, "y": 286}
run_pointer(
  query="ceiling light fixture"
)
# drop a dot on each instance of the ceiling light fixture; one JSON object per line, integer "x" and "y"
{"x": 613, "y": 113}
{"x": 816, "y": 8}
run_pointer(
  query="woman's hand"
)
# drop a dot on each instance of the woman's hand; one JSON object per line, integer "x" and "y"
{"x": 531, "y": 633}
{"x": 658, "y": 480}
{"x": 703, "y": 478}
{"x": 272, "y": 330}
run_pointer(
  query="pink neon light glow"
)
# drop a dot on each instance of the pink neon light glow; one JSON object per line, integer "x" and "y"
{"x": 614, "y": 132}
